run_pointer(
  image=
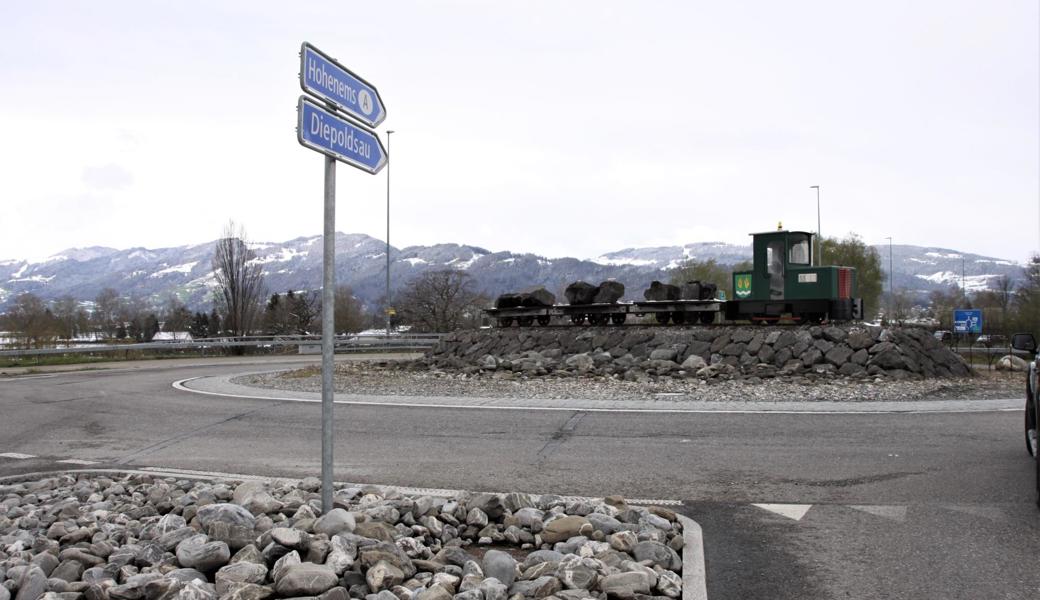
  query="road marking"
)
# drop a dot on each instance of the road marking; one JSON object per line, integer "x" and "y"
{"x": 77, "y": 461}
{"x": 791, "y": 511}
{"x": 180, "y": 386}
{"x": 17, "y": 455}
{"x": 896, "y": 513}
{"x": 988, "y": 512}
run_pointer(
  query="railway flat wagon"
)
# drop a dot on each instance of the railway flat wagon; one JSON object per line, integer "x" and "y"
{"x": 784, "y": 284}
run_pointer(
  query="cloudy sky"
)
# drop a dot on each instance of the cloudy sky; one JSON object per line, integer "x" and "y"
{"x": 561, "y": 128}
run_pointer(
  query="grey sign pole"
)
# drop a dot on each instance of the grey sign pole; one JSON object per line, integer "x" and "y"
{"x": 328, "y": 341}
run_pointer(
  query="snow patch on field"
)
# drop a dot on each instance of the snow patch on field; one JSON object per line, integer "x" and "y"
{"x": 972, "y": 283}
{"x": 33, "y": 279}
{"x": 285, "y": 255}
{"x": 414, "y": 261}
{"x": 620, "y": 262}
{"x": 184, "y": 269}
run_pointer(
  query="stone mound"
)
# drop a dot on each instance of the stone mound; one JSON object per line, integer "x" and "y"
{"x": 140, "y": 537}
{"x": 635, "y": 353}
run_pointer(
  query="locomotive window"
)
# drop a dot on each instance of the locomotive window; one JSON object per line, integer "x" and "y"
{"x": 799, "y": 252}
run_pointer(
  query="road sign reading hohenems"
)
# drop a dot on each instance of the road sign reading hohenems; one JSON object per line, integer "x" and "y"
{"x": 322, "y": 130}
{"x": 323, "y": 77}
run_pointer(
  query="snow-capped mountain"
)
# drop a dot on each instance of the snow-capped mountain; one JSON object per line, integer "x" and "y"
{"x": 186, "y": 271}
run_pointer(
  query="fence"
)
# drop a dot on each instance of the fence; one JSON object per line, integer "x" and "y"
{"x": 347, "y": 343}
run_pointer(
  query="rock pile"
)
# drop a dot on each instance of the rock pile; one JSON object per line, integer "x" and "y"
{"x": 607, "y": 292}
{"x": 646, "y": 353}
{"x": 537, "y": 296}
{"x": 140, "y": 537}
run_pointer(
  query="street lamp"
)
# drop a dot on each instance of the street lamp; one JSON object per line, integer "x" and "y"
{"x": 388, "y": 305}
{"x": 819, "y": 237}
{"x": 891, "y": 290}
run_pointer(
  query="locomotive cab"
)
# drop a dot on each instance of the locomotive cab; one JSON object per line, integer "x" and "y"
{"x": 784, "y": 281}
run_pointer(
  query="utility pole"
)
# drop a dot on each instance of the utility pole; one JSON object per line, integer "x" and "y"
{"x": 819, "y": 235}
{"x": 891, "y": 289}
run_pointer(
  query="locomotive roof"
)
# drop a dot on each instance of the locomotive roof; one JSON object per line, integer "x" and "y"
{"x": 780, "y": 231}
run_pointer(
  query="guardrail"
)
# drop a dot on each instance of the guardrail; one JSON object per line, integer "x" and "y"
{"x": 348, "y": 343}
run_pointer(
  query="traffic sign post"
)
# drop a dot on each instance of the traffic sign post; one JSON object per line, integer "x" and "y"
{"x": 967, "y": 321}
{"x": 323, "y": 77}
{"x": 323, "y": 130}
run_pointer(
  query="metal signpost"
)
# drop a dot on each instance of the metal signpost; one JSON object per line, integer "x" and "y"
{"x": 324, "y": 130}
{"x": 967, "y": 321}
{"x": 324, "y": 78}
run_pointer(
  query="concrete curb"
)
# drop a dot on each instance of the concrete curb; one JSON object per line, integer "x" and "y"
{"x": 694, "y": 574}
{"x": 222, "y": 386}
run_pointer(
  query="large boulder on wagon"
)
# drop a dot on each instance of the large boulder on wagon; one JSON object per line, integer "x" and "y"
{"x": 661, "y": 292}
{"x": 537, "y": 296}
{"x": 580, "y": 292}
{"x": 697, "y": 290}
{"x": 609, "y": 292}
{"x": 508, "y": 301}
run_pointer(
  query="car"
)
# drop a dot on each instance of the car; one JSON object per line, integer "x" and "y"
{"x": 1025, "y": 342}
{"x": 943, "y": 335}
{"x": 989, "y": 340}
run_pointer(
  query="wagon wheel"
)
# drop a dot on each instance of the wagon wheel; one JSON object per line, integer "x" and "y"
{"x": 678, "y": 317}
{"x": 577, "y": 319}
{"x": 505, "y": 321}
{"x": 525, "y": 321}
{"x": 707, "y": 317}
{"x": 618, "y": 318}
{"x": 543, "y": 320}
{"x": 595, "y": 320}
{"x": 662, "y": 317}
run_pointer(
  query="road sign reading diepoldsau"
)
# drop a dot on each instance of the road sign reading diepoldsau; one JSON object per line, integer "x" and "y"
{"x": 322, "y": 130}
{"x": 323, "y": 77}
{"x": 967, "y": 321}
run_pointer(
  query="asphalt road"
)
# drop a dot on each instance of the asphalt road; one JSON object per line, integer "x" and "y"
{"x": 877, "y": 505}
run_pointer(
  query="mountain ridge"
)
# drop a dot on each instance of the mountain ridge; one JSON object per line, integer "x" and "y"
{"x": 186, "y": 272}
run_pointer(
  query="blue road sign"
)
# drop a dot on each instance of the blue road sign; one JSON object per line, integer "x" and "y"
{"x": 322, "y": 130}
{"x": 967, "y": 321}
{"x": 323, "y": 77}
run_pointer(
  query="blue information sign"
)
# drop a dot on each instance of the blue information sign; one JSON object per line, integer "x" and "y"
{"x": 330, "y": 81}
{"x": 322, "y": 130}
{"x": 967, "y": 321}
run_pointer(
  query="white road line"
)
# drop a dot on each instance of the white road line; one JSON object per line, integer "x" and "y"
{"x": 791, "y": 511}
{"x": 180, "y": 386}
{"x": 16, "y": 455}
{"x": 896, "y": 513}
{"x": 77, "y": 461}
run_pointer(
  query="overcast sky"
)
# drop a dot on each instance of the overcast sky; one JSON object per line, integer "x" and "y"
{"x": 560, "y": 128}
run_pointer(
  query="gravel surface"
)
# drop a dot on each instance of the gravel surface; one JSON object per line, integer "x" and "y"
{"x": 143, "y": 537}
{"x": 385, "y": 378}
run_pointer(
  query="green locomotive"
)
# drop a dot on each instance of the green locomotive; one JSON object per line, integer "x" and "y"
{"x": 784, "y": 283}
{"x": 784, "y": 280}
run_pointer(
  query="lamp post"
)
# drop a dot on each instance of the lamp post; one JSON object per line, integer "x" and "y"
{"x": 891, "y": 290}
{"x": 388, "y": 305}
{"x": 819, "y": 236}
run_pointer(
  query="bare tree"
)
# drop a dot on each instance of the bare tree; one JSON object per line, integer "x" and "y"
{"x": 66, "y": 311}
{"x": 29, "y": 319}
{"x": 348, "y": 313}
{"x": 441, "y": 301}
{"x": 240, "y": 281}
{"x": 107, "y": 308}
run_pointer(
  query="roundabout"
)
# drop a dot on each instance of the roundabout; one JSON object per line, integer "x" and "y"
{"x": 794, "y": 504}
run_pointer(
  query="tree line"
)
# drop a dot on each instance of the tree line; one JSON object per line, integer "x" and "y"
{"x": 444, "y": 300}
